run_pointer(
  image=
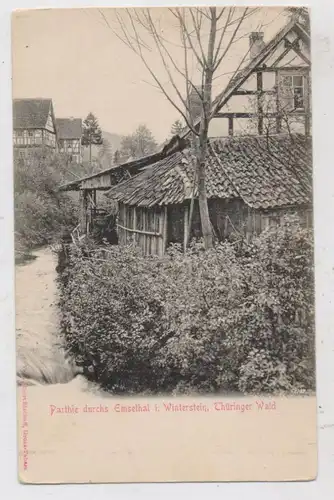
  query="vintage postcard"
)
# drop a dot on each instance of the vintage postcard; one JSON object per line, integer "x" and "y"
{"x": 164, "y": 244}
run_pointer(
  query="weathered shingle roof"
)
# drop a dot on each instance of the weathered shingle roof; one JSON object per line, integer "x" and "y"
{"x": 265, "y": 172}
{"x": 69, "y": 128}
{"x": 31, "y": 113}
{"x": 132, "y": 167}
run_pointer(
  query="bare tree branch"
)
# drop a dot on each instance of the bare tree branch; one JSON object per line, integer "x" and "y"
{"x": 197, "y": 27}
{"x": 217, "y": 63}
{"x": 135, "y": 44}
{"x": 180, "y": 18}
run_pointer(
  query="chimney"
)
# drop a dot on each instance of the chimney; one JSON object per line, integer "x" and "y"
{"x": 256, "y": 43}
{"x": 195, "y": 104}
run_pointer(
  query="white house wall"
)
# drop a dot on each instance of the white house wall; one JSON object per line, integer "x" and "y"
{"x": 219, "y": 126}
{"x": 49, "y": 124}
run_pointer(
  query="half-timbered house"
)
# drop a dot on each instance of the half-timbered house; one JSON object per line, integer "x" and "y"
{"x": 252, "y": 180}
{"x": 272, "y": 93}
{"x": 34, "y": 125}
{"x": 69, "y": 138}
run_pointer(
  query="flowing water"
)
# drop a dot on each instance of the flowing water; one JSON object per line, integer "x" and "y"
{"x": 41, "y": 359}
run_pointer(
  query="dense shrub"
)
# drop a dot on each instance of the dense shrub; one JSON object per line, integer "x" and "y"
{"x": 226, "y": 319}
{"x": 42, "y": 212}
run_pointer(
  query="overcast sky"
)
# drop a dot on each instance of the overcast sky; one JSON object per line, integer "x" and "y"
{"x": 71, "y": 56}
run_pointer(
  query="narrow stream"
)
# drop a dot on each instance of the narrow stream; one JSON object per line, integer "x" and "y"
{"x": 41, "y": 360}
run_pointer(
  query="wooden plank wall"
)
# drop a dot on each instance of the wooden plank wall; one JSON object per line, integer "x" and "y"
{"x": 145, "y": 227}
{"x": 234, "y": 216}
{"x": 152, "y": 229}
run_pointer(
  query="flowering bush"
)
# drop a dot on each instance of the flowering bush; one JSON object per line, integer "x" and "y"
{"x": 226, "y": 319}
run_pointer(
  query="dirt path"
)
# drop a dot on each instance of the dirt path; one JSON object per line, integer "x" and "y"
{"x": 40, "y": 357}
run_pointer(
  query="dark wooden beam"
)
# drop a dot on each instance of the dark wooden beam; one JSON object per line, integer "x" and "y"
{"x": 230, "y": 125}
{"x": 301, "y": 55}
{"x": 252, "y": 115}
{"x": 252, "y": 92}
{"x": 235, "y": 115}
{"x": 244, "y": 92}
{"x": 280, "y": 57}
{"x": 291, "y": 46}
{"x": 270, "y": 68}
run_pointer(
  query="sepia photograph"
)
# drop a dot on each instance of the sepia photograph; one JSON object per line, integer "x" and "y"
{"x": 164, "y": 249}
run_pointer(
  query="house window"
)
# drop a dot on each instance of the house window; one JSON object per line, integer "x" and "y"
{"x": 31, "y": 133}
{"x": 19, "y": 133}
{"x": 293, "y": 89}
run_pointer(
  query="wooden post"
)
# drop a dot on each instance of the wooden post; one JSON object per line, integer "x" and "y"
{"x": 94, "y": 199}
{"x": 165, "y": 230}
{"x": 125, "y": 224}
{"x": 230, "y": 125}
{"x": 154, "y": 238}
{"x": 144, "y": 229}
{"x": 186, "y": 228}
{"x": 83, "y": 210}
{"x": 161, "y": 230}
{"x": 134, "y": 223}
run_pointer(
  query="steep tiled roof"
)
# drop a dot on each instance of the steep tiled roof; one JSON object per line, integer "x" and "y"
{"x": 69, "y": 128}
{"x": 132, "y": 167}
{"x": 265, "y": 172}
{"x": 30, "y": 113}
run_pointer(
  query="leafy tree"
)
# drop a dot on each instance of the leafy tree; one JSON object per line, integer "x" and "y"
{"x": 92, "y": 133}
{"x": 42, "y": 212}
{"x": 128, "y": 147}
{"x": 105, "y": 154}
{"x": 177, "y": 128}
{"x": 117, "y": 157}
{"x": 138, "y": 144}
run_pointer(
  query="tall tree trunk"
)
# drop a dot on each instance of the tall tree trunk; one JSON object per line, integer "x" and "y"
{"x": 202, "y": 198}
{"x": 203, "y": 135}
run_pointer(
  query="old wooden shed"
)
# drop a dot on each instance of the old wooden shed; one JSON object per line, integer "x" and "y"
{"x": 88, "y": 186}
{"x": 251, "y": 183}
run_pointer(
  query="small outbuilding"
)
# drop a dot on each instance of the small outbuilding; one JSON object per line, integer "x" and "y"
{"x": 251, "y": 183}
